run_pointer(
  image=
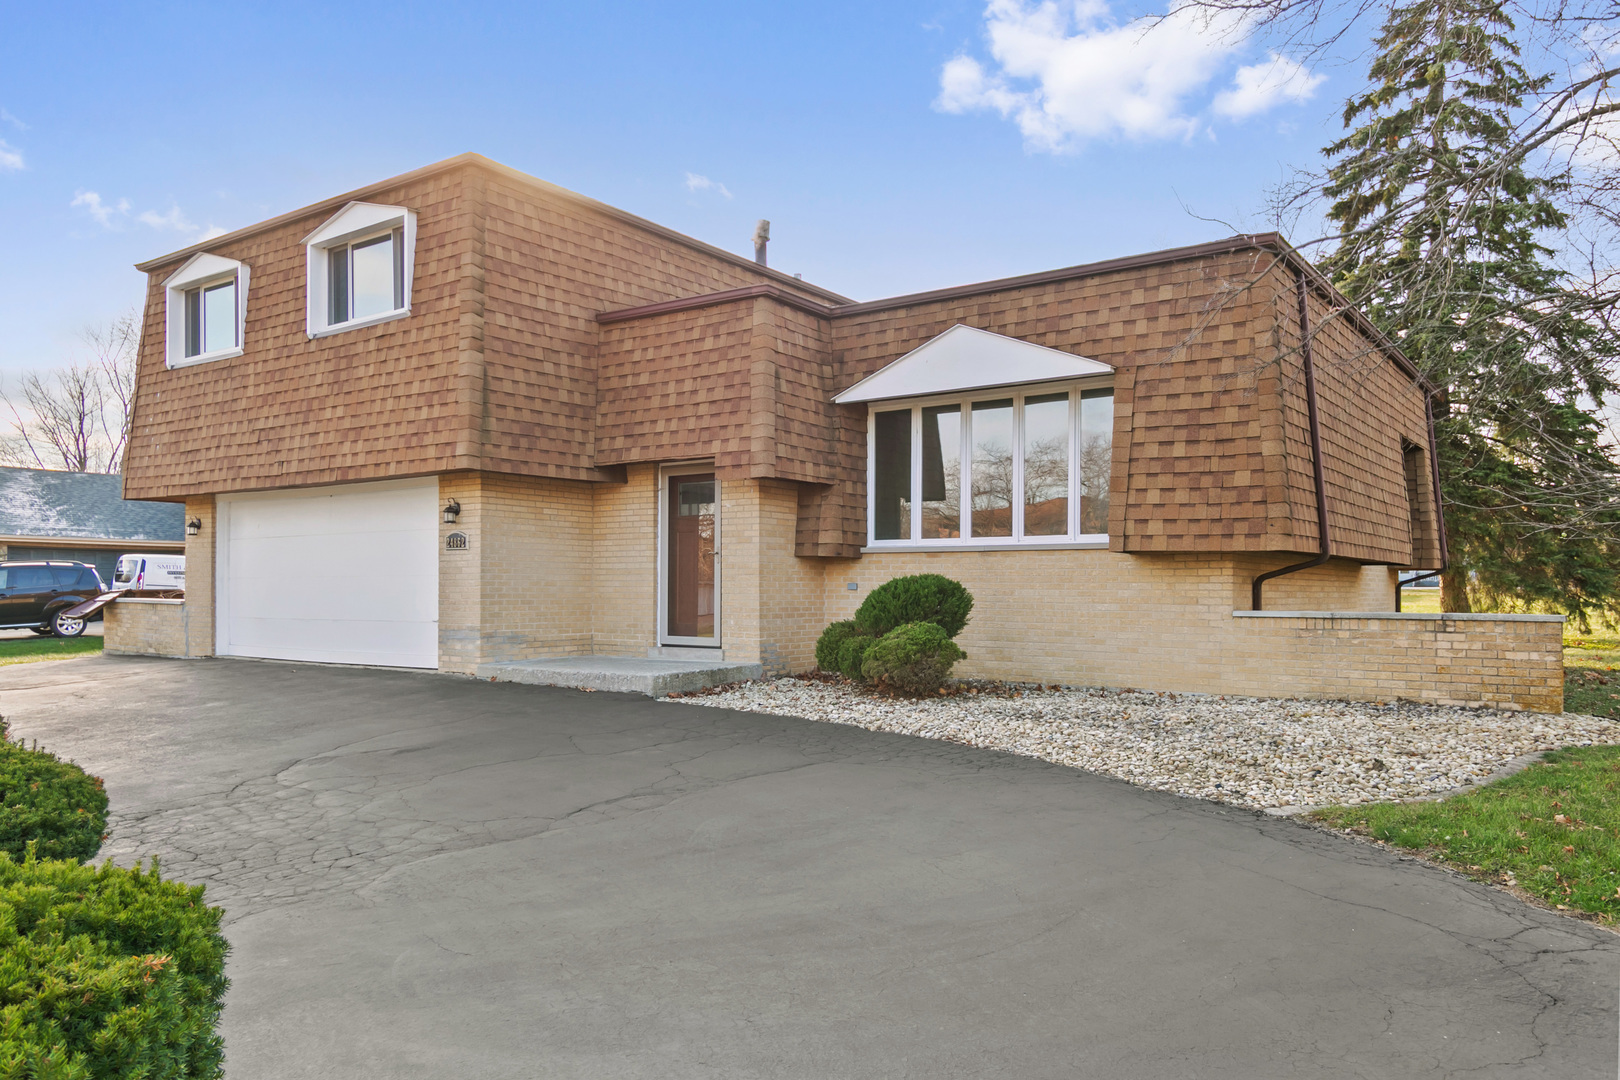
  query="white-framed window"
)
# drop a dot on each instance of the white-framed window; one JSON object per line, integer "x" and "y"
{"x": 1021, "y": 465}
{"x": 206, "y": 310}
{"x": 361, "y": 262}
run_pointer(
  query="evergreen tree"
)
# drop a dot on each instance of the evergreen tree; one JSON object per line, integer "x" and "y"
{"x": 1440, "y": 242}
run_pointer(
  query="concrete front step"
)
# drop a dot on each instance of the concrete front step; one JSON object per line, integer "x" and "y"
{"x": 626, "y": 674}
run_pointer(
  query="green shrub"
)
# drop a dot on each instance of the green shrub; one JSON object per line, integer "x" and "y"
{"x": 914, "y": 659}
{"x": 930, "y": 598}
{"x": 107, "y": 973}
{"x": 852, "y": 655}
{"x": 832, "y": 640}
{"x": 50, "y": 801}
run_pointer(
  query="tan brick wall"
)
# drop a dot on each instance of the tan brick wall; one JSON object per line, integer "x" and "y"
{"x": 1165, "y": 622}
{"x": 536, "y": 562}
{"x": 771, "y": 600}
{"x": 624, "y": 564}
{"x": 461, "y": 612}
{"x": 142, "y": 627}
{"x": 200, "y": 584}
{"x": 1506, "y": 661}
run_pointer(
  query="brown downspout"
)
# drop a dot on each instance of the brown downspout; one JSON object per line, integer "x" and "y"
{"x": 1316, "y": 456}
{"x": 1439, "y": 508}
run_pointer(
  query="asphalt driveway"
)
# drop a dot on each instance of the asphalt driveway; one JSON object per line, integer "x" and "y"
{"x": 431, "y": 877}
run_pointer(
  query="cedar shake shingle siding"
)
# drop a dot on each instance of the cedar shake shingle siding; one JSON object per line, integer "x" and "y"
{"x": 551, "y": 336}
{"x": 495, "y": 368}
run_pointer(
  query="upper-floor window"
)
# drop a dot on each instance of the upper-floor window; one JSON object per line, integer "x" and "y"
{"x": 1001, "y": 467}
{"x": 206, "y": 301}
{"x": 360, "y": 267}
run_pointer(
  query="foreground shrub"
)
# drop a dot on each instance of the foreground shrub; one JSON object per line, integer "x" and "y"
{"x": 852, "y": 655}
{"x": 913, "y": 659}
{"x": 929, "y": 598}
{"x": 832, "y": 640}
{"x": 52, "y": 802}
{"x": 107, "y": 973}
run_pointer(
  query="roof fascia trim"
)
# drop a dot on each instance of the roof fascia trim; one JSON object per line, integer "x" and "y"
{"x": 690, "y": 303}
{"x": 480, "y": 161}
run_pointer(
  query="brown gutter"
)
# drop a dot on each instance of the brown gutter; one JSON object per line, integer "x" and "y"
{"x": 1439, "y": 506}
{"x": 1231, "y": 245}
{"x": 690, "y": 303}
{"x": 1316, "y": 456}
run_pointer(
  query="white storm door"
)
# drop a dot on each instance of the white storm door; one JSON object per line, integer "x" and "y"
{"x": 340, "y": 575}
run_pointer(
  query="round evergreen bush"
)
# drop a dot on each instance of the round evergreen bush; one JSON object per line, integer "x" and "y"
{"x": 108, "y": 973}
{"x": 832, "y": 640}
{"x": 852, "y": 655}
{"x": 930, "y": 598}
{"x": 49, "y": 801}
{"x": 913, "y": 659}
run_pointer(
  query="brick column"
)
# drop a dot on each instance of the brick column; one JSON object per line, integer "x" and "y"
{"x": 197, "y": 614}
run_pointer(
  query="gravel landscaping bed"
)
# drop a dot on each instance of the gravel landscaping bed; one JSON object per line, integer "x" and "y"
{"x": 1258, "y": 752}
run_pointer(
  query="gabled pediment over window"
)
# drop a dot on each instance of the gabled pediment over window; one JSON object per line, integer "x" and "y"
{"x": 965, "y": 358}
{"x": 206, "y": 310}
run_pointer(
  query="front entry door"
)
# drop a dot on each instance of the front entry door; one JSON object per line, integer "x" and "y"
{"x": 691, "y": 599}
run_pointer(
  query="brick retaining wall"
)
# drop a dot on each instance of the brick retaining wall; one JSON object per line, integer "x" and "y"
{"x": 149, "y": 627}
{"x": 1506, "y": 661}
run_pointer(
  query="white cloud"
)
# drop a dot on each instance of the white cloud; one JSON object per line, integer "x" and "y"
{"x": 98, "y": 209}
{"x": 7, "y": 118}
{"x": 1067, "y": 72}
{"x": 1259, "y": 87}
{"x": 174, "y": 219}
{"x": 694, "y": 182}
{"x": 108, "y": 214}
{"x": 11, "y": 158}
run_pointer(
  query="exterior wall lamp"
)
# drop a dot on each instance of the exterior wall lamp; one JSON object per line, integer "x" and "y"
{"x": 193, "y": 526}
{"x": 452, "y": 510}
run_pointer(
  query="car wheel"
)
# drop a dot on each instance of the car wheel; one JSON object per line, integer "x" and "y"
{"x": 65, "y": 625}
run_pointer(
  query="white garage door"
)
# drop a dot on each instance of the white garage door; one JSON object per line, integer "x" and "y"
{"x": 344, "y": 575}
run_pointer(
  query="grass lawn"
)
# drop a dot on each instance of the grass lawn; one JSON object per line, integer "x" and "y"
{"x": 1552, "y": 830}
{"x": 27, "y": 650}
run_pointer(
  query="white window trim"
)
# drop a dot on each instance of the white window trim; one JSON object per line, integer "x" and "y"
{"x": 197, "y": 272}
{"x": 356, "y": 222}
{"x": 1017, "y": 541}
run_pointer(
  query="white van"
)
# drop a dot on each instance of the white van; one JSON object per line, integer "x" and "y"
{"x": 150, "y": 572}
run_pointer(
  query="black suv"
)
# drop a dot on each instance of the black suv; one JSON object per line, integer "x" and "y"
{"x": 36, "y": 595}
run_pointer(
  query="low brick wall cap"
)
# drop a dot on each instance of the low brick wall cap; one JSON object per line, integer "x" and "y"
{"x": 1415, "y": 616}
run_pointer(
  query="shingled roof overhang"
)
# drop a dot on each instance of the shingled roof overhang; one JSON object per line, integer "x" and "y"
{"x": 337, "y": 202}
{"x": 1265, "y": 242}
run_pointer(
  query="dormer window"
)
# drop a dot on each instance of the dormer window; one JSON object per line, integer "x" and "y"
{"x": 206, "y": 300}
{"x": 360, "y": 268}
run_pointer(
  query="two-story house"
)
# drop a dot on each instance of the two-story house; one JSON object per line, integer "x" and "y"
{"x": 463, "y": 418}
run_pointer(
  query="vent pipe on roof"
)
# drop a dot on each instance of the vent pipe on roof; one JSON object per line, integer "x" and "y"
{"x": 762, "y": 236}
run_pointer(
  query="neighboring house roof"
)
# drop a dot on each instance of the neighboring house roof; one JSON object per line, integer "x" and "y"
{"x": 46, "y": 504}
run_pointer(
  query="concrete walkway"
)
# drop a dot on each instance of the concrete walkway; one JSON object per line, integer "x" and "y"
{"x": 433, "y": 877}
{"x": 653, "y": 676}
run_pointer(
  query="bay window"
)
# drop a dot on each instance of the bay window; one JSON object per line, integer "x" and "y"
{"x": 1007, "y": 467}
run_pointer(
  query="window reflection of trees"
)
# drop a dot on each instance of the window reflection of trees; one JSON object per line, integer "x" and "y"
{"x": 1096, "y": 460}
{"x": 1046, "y": 487}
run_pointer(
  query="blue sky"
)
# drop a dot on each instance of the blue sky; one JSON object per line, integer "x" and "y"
{"x": 894, "y": 147}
